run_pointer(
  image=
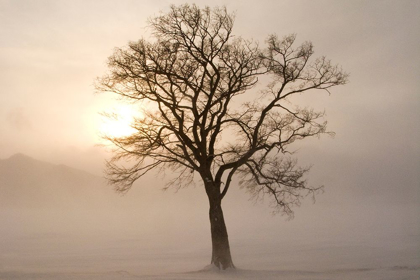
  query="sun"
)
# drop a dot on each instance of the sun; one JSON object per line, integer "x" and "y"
{"x": 118, "y": 121}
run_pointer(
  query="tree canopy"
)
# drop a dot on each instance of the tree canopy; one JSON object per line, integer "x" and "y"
{"x": 202, "y": 114}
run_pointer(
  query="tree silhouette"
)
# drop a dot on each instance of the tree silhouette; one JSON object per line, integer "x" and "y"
{"x": 206, "y": 114}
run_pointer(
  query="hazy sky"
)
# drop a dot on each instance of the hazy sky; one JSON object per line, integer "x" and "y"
{"x": 52, "y": 51}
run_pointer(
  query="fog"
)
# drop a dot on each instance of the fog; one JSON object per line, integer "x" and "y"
{"x": 62, "y": 223}
{"x": 60, "y": 220}
{"x": 82, "y": 230}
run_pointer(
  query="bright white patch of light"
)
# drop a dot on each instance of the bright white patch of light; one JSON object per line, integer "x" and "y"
{"x": 118, "y": 121}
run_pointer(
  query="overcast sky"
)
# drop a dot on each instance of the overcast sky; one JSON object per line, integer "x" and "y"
{"x": 52, "y": 51}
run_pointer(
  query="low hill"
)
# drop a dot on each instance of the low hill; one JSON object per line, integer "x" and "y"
{"x": 37, "y": 197}
{"x": 30, "y": 183}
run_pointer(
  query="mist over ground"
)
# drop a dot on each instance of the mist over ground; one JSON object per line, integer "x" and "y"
{"x": 62, "y": 223}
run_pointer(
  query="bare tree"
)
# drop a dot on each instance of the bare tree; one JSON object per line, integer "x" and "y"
{"x": 193, "y": 79}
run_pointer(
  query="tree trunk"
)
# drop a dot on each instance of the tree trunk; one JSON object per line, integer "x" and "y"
{"x": 221, "y": 256}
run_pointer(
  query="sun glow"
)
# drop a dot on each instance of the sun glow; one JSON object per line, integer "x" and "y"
{"x": 118, "y": 121}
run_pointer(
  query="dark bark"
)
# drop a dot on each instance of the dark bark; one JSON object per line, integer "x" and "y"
{"x": 221, "y": 256}
{"x": 191, "y": 75}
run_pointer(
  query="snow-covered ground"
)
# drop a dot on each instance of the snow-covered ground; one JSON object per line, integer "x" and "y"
{"x": 69, "y": 257}
{"x": 57, "y": 224}
{"x": 383, "y": 274}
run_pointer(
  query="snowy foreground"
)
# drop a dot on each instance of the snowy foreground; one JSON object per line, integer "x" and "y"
{"x": 393, "y": 273}
{"x": 372, "y": 274}
{"x": 58, "y": 223}
{"x": 105, "y": 260}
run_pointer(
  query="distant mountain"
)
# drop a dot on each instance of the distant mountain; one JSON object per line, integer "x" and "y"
{"x": 30, "y": 166}
{"x": 38, "y": 197}
{"x": 30, "y": 183}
